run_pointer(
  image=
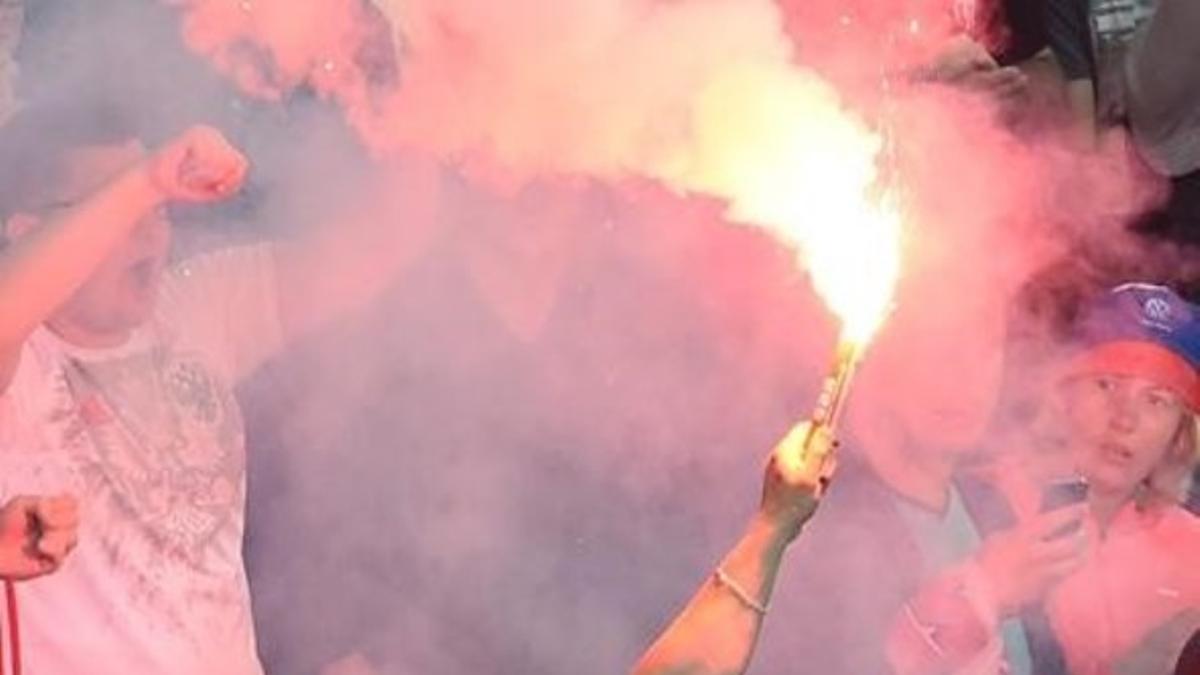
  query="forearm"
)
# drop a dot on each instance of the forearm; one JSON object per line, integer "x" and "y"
{"x": 42, "y": 269}
{"x": 717, "y": 631}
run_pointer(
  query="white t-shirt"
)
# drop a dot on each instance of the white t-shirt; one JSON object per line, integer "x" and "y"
{"x": 151, "y": 440}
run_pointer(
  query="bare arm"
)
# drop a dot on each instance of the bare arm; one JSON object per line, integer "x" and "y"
{"x": 45, "y": 263}
{"x": 716, "y": 632}
{"x": 718, "y": 629}
{"x": 42, "y": 269}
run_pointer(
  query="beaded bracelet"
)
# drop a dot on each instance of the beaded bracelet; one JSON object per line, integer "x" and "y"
{"x": 723, "y": 579}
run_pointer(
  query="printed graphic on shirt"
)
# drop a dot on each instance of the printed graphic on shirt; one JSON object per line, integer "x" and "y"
{"x": 161, "y": 454}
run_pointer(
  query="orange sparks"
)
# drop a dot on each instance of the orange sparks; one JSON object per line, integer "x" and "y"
{"x": 777, "y": 143}
{"x": 779, "y": 146}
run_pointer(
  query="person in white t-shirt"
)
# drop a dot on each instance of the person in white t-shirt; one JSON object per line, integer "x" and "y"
{"x": 117, "y": 368}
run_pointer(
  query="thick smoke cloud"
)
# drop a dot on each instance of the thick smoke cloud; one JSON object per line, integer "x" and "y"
{"x": 524, "y": 455}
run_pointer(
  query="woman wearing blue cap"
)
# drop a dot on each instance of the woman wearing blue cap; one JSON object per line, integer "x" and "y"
{"x": 1130, "y": 399}
{"x": 1124, "y": 409}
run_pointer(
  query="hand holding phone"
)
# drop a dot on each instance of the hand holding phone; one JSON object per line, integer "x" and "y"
{"x": 1060, "y": 494}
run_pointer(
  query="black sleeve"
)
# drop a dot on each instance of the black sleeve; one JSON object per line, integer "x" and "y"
{"x": 1068, "y": 30}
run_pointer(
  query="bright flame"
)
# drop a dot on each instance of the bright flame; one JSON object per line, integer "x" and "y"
{"x": 780, "y": 147}
{"x": 703, "y": 96}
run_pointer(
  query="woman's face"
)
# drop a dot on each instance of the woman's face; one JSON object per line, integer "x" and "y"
{"x": 1121, "y": 429}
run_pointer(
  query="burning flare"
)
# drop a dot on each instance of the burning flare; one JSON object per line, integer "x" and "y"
{"x": 777, "y": 144}
{"x": 788, "y": 157}
{"x": 704, "y": 96}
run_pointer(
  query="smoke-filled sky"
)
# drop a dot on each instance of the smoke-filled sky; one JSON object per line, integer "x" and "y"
{"x": 523, "y": 457}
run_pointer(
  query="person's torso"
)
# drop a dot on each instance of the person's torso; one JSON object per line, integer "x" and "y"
{"x": 948, "y": 539}
{"x": 150, "y": 439}
{"x": 1137, "y": 599}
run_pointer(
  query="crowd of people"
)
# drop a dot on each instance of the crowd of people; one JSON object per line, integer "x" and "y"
{"x": 938, "y": 534}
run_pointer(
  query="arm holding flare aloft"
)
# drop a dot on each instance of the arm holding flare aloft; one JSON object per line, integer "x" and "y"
{"x": 717, "y": 631}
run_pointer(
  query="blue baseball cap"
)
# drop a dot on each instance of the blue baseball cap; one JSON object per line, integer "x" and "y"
{"x": 1143, "y": 330}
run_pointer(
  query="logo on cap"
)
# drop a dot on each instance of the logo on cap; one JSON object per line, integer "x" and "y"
{"x": 1158, "y": 310}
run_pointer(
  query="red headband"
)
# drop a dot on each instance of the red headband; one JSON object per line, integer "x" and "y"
{"x": 1143, "y": 359}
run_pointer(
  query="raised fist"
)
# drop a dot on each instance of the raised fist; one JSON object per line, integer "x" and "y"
{"x": 198, "y": 166}
{"x": 36, "y": 534}
{"x": 796, "y": 476}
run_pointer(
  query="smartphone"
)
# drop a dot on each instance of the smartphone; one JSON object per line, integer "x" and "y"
{"x": 1062, "y": 493}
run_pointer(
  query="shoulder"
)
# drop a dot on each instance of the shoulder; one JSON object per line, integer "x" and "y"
{"x": 37, "y": 390}
{"x": 1177, "y": 540}
{"x": 216, "y": 265}
{"x": 1171, "y": 530}
{"x": 209, "y": 285}
{"x": 1182, "y": 525}
{"x": 37, "y": 360}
